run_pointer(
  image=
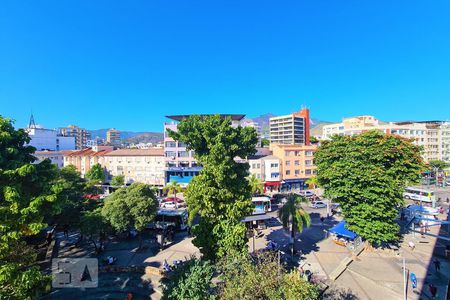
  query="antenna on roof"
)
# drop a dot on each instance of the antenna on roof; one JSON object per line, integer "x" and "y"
{"x": 31, "y": 124}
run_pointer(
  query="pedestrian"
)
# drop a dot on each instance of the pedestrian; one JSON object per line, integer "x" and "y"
{"x": 402, "y": 215}
{"x": 66, "y": 230}
{"x": 411, "y": 245}
{"x": 433, "y": 290}
{"x": 437, "y": 265}
{"x": 413, "y": 280}
{"x": 322, "y": 219}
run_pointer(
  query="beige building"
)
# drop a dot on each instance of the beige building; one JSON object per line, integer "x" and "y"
{"x": 296, "y": 164}
{"x": 81, "y": 135}
{"x": 137, "y": 165}
{"x": 83, "y": 160}
{"x": 56, "y": 157}
{"x": 113, "y": 137}
{"x": 429, "y": 135}
{"x": 445, "y": 141}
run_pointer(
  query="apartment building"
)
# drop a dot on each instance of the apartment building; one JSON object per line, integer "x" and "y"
{"x": 427, "y": 134}
{"x": 136, "y": 165}
{"x": 113, "y": 137}
{"x": 81, "y": 135}
{"x": 296, "y": 164}
{"x": 267, "y": 169}
{"x": 290, "y": 129}
{"x": 180, "y": 163}
{"x": 445, "y": 141}
{"x": 83, "y": 160}
{"x": 56, "y": 157}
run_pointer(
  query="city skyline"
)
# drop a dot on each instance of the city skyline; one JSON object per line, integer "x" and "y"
{"x": 111, "y": 64}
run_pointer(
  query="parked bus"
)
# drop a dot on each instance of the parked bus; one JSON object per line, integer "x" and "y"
{"x": 419, "y": 195}
{"x": 261, "y": 204}
{"x": 175, "y": 218}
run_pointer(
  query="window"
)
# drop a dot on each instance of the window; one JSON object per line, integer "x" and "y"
{"x": 183, "y": 154}
{"x": 288, "y": 163}
{"x": 288, "y": 172}
{"x": 258, "y": 166}
{"x": 297, "y": 172}
{"x": 253, "y": 166}
{"x": 297, "y": 163}
{"x": 286, "y": 153}
{"x": 308, "y": 172}
{"x": 170, "y": 154}
{"x": 308, "y": 162}
{"x": 182, "y": 145}
{"x": 309, "y": 153}
{"x": 274, "y": 165}
{"x": 171, "y": 144}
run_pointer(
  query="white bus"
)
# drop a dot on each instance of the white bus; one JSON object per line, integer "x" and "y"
{"x": 261, "y": 204}
{"x": 419, "y": 195}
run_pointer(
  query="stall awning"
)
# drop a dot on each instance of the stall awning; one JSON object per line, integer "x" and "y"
{"x": 341, "y": 229}
{"x": 256, "y": 218}
{"x": 289, "y": 181}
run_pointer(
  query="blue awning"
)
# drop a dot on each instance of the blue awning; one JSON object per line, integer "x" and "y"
{"x": 289, "y": 181}
{"x": 341, "y": 229}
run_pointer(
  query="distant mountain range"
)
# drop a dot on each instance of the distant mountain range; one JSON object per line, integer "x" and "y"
{"x": 131, "y": 136}
{"x": 156, "y": 137}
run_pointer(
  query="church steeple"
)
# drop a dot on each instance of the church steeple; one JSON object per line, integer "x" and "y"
{"x": 32, "y": 124}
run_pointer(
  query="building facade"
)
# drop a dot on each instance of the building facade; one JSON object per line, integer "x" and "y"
{"x": 48, "y": 139}
{"x": 296, "y": 164}
{"x": 427, "y": 134}
{"x": 56, "y": 157}
{"x": 136, "y": 165}
{"x": 290, "y": 129}
{"x": 81, "y": 135}
{"x": 83, "y": 160}
{"x": 113, "y": 137}
{"x": 445, "y": 142}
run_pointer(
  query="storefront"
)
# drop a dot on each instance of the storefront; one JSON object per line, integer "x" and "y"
{"x": 289, "y": 185}
{"x": 272, "y": 186}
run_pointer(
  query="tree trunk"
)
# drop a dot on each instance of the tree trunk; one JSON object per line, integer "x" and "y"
{"x": 140, "y": 240}
{"x": 95, "y": 244}
{"x": 293, "y": 239}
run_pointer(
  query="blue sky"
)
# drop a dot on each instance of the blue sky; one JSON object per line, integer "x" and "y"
{"x": 127, "y": 64}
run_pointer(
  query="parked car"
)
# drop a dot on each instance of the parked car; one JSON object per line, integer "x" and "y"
{"x": 306, "y": 194}
{"x": 169, "y": 204}
{"x": 318, "y": 204}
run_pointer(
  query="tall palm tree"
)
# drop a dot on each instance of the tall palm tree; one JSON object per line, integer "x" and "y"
{"x": 256, "y": 184}
{"x": 173, "y": 188}
{"x": 293, "y": 215}
{"x": 312, "y": 181}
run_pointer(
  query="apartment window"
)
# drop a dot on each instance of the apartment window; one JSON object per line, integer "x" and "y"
{"x": 170, "y": 154}
{"x": 286, "y": 153}
{"x": 258, "y": 166}
{"x": 297, "y": 153}
{"x": 288, "y": 172}
{"x": 171, "y": 144}
{"x": 182, "y": 145}
{"x": 308, "y": 162}
{"x": 183, "y": 154}
{"x": 274, "y": 165}
{"x": 308, "y": 172}
{"x": 288, "y": 163}
{"x": 297, "y": 172}
{"x": 297, "y": 163}
{"x": 308, "y": 153}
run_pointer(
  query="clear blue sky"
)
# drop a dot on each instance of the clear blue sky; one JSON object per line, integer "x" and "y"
{"x": 127, "y": 64}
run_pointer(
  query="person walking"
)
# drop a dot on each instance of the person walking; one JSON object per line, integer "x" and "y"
{"x": 433, "y": 290}
{"x": 437, "y": 265}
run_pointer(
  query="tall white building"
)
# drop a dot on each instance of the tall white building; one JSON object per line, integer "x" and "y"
{"x": 48, "y": 139}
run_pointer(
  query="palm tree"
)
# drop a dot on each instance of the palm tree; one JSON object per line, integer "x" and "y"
{"x": 294, "y": 215}
{"x": 312, "y": 181}
{"x": 173, "y": 188}
{"x": 256, "y": 184}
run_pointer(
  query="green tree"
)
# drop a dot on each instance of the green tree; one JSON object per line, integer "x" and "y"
{"x": 219, "y": 194}
{"x": 173, "y": 188}
{"x": 438, "y": 164}
{"x": 118, "y": 181}
{"x": 28, "y": 196}
{"x": 96, "y": 174}
{"x": 261, "y": 277}
{"x": 190, "y": 281}
{"x": 265, "y": 143}
{"x": 256, "y": 185}
{"x": 292, "y": 214}
{"x": 313, "y": 140}
{"x": 93, "y": 225}
{"x": 131, "y": 207}
{"x": 71, "y": 196}
{"x": 366, "y": 174}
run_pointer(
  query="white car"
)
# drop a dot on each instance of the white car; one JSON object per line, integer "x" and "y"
{"x": 318, "y": 204}
{"x": 306, "y": 194}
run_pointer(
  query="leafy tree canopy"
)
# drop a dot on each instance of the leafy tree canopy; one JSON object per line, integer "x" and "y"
{"x": 118, "y": 180}
{"x": 96, "y": 173}
{"x": 220, "y": 193}
{"x": 438, "y": 164}
{"x": 190, "y": 281}
{"x": 366, "y": 174}
{"x": 28, "y": 196}
{"x": 131, "y": 207}
{"x": 265, "y": 142}
{"x": 172, "y": 188}
{"x": 256, "y": 184}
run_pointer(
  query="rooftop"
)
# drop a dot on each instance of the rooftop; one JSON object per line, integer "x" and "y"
{"x": 234, "y": 117}
{"x": 137, "y": 152}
